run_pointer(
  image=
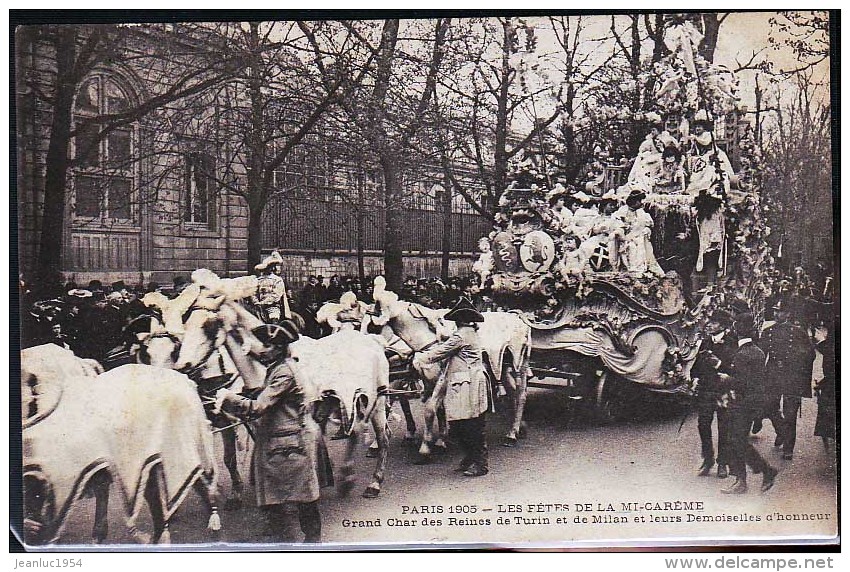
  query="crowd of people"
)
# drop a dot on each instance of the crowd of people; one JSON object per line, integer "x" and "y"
{"x": 91, "y": 320}
{"x": 744, "y": 375}
{"x": 88, "y": 320}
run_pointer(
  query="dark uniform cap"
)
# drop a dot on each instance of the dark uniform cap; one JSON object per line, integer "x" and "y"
{"x": 790, "y": 304}
{"x": 464, "y": 312}
{"x": 277, "y": 334}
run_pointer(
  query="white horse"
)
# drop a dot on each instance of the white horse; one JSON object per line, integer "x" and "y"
{"x": 348, "y": 373}
{"x": 137, "y": 426}
{"x": 506, "y": 342}
{"x": 160, "y": 348}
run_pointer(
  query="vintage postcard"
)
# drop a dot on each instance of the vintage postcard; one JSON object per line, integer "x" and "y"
{"x": 558, "y": 280}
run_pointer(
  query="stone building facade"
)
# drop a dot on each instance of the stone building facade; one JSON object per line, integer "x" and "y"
{"x": 141, "y": 206}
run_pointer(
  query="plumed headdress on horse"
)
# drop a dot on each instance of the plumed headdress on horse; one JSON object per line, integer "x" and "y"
{"x": 464, "y": 312}
{"x": 278, "y": 335}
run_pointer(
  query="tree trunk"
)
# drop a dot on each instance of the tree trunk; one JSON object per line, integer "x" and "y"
{"x": 56, "y": 168}
{"x": 393, "y": 259}
{"x": 256, "y": 150}
{"x": 500, "y": 167}
{"x": 758, "y": 94}
{"x": 361, "y": 228}
{"x": 711, "y": 27}
{"x": 446, "y": 200}
{"x": 255, "y": 235}
{"x": 636, "y": 135}
{"x": 659, "y": 50}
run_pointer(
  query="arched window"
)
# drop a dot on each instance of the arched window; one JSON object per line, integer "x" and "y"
{"x": 104, "y": 166}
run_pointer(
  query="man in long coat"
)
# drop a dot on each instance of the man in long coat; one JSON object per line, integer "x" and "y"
{"x": 790, "y": 357}
{"x": 465, "y": 385}
{"x": 283, "y": 467}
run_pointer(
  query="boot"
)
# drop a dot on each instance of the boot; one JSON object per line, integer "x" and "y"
{"x": 768, "y": 479}
{"x": 705, "y": 468}
{"x": 738, "y": 487}
{"x": 463, "y": 466}
{"x": 475, "y": 470}
{"x": 722, "y": 472}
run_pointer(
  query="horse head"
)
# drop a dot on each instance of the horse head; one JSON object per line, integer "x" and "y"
{"x": 230, "y": 326}
{"x": 157, "y": 346}
{"x": 204, "y": 333}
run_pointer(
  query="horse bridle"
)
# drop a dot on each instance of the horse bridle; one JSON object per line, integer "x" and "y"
{"x": 217, "y": 382}
{"x": 193, "y": 371}
{"x": 415, "y": 317}
{"x": 162, "y": 334}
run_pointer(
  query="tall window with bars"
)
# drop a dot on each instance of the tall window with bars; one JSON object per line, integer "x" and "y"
{"x": 199, "y": 190}
{"x": 104, "y": 167}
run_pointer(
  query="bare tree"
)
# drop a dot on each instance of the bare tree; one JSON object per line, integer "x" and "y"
{"x": 391, "y": 113}
{"x": 77, "y": 51}
{"x": 798, "y": 159}
{"x": 494, "y": 104}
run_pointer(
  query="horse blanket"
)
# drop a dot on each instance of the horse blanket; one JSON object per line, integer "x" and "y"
{"x": 346, "y": 365}
{"x": 126, "y": 421}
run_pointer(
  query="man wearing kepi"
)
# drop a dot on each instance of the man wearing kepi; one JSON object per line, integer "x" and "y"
{"x": 744, "y": 398}
{"x": 790, "y": 357}
{"x": 465, "y": 387}
{"x": 283, "y": 467}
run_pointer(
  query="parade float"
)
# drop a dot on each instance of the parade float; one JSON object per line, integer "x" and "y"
{"x": 617, "y": 280}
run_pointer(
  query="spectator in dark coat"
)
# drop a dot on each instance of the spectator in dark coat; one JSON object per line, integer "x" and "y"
{"x": 825, "y": 425}
{"x": 335, "y": 289}
{"x": 744, "y": 397}
{"x": 790, "y": 356}
{"x": 714, "y": 358}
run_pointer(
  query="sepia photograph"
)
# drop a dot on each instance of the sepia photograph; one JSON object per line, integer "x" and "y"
{"x": 424, "y": 280}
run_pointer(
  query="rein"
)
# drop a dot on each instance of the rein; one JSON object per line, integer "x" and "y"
{"x": 427, "y": 346}
{"x": 213, "y": 384}
{"x": 165, "y": 334}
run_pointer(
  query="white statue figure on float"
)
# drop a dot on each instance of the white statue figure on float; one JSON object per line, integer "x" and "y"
{"x": 484, "y": 265}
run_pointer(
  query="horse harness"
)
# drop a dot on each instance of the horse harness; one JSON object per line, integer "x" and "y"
{"x": 418, "y": 315}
